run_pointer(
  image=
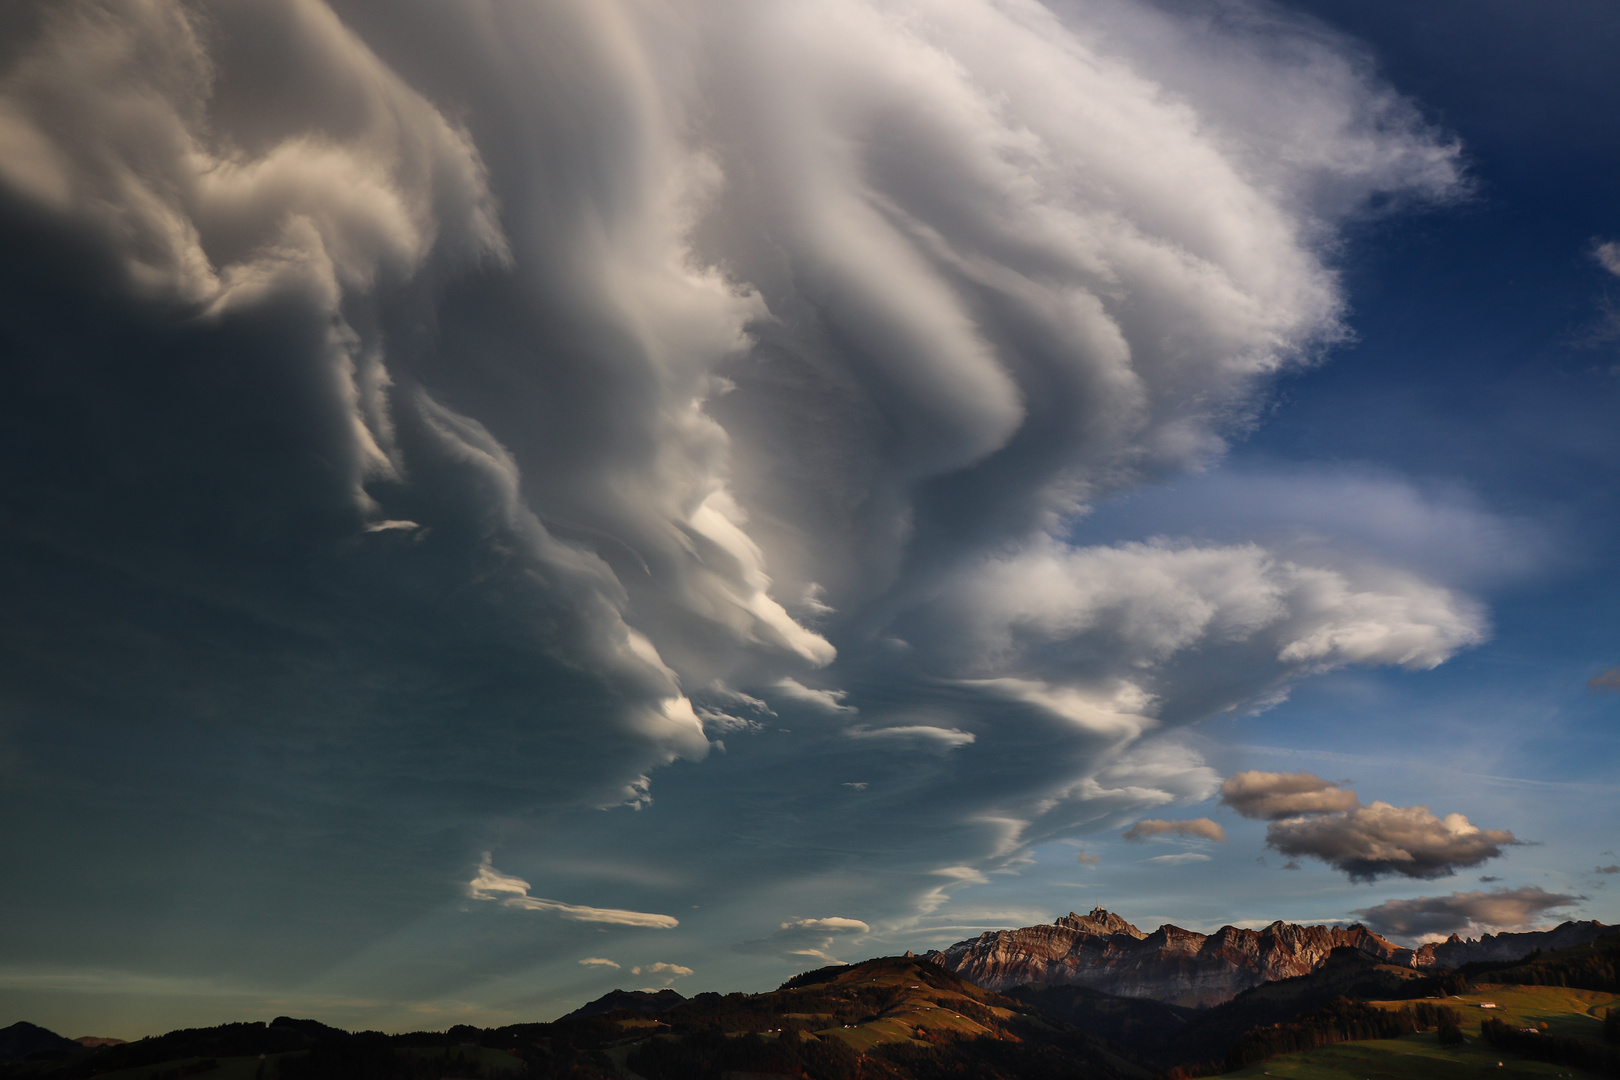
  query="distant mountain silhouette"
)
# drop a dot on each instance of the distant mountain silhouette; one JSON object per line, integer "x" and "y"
{"x": 647, "y": 1001}
{"x": 23, "y": 1040}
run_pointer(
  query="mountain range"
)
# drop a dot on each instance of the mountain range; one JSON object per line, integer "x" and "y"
{"x": 908, "y": 1018}
{"x": 1183, "y": 967}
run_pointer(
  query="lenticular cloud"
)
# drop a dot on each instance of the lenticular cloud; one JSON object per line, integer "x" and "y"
{"x": 526, "y": 394}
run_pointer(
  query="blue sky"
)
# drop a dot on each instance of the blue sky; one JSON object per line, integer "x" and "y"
{"x": 505, "y": 504}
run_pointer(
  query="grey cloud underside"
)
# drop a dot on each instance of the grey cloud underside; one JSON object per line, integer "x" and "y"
{"x": 424, "y": 421}
{"x": 1498, "y": 909}
{"x": 1310, "y": 816}
{"x": 1380, "y": 840}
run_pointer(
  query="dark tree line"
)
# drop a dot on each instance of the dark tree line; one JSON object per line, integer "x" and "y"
{"x": 712, "y": 1052}
{"x": 1558, "y": 1049}
{"x": 1342, "y": 1021}
{"x": 1594, "y": 966}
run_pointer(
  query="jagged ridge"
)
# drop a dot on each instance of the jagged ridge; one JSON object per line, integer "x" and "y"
{"x": 1183, "y": 967}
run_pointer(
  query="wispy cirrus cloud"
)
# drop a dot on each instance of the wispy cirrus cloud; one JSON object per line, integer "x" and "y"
{"x": 811, "y": 938}
{"x": 513, "y": 892}
{"x": 1605, "y": 680}
{"x": 1193, "y": 829}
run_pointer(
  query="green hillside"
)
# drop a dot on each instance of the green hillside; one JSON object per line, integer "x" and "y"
{"x": 1412, "y": 1057}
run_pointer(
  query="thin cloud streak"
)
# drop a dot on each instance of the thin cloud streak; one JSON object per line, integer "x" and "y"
{"x": 513, "y": 892}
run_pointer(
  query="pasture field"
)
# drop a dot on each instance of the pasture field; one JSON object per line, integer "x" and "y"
{"x": 1411, "y": 1057}
{"x": 1574, "y": 1013}
{"x": 1571, "y": 1013}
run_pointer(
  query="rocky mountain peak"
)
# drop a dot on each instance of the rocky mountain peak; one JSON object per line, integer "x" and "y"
{"x": 1183, "y": 967}
{"x": 1100, "y": 921}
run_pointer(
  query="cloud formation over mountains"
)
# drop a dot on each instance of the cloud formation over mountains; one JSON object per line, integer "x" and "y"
{"x": 442, "y": 419}
{"x": 1473, "y": 912}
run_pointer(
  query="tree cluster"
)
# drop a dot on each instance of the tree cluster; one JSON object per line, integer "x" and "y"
{"x": 1342, "y": 1021}
{"x": 1557, "y": 1049}
{"x": 1594, "y": 966}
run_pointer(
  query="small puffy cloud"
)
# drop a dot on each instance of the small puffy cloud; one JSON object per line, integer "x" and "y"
{"x": 1086, "y": 860}
{"x": 1197, "y": 828}
{"x": 1606, "y": 680}
{"x": 670, "y": 972}
{"x": 598, "y": 961}
{"x": 1380, "y": 840}
{"x": 811, "y": 938}
{"x": 1499, "y": 909}
{"x": 1608, "y": 256}
{"x": 1272, "y": 796}
{"x": 1605, "y": 870}
{"x": 1179, "y": 859}
{"x": 513, "y": 892}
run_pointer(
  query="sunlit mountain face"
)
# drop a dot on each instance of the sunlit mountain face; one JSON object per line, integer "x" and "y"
{"x": 503, "y": 501}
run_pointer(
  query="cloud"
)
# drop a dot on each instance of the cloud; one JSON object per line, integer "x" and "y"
{"x": 946, "y": 737}
{"x": 1380, "y": 840}
{"x": 1179, "y": 859}
{"x": 1087, "y": 860}
{"x": 1473, "y": 912}
{"x": 446, "y": 419}
{"x": 1606, "y": 869}
{"x": 1608, "y": 256}
{"x": 1314, "y": 817}
{"x": 1606, "y": 680}
{"x": 513, "y": 892}
{"x": 1280, "y": 795}
{"x": 1196, "y": 828}
{"x": 807, "y": 938}
{"x": 1340, "y": 515}
{"x": 671, "y": 971}
{"x": 599, "y": 961}
{"x": 830, "y": 700}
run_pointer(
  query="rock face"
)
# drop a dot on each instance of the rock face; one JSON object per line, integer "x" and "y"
{"x": 1182, "y": 967}
{"x": 1455, "y": 951}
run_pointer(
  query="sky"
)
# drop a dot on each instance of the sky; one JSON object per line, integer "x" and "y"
{"x": 508, "y": 500}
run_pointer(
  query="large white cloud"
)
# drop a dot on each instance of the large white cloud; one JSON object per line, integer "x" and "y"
{"x": 490, "y": 397}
